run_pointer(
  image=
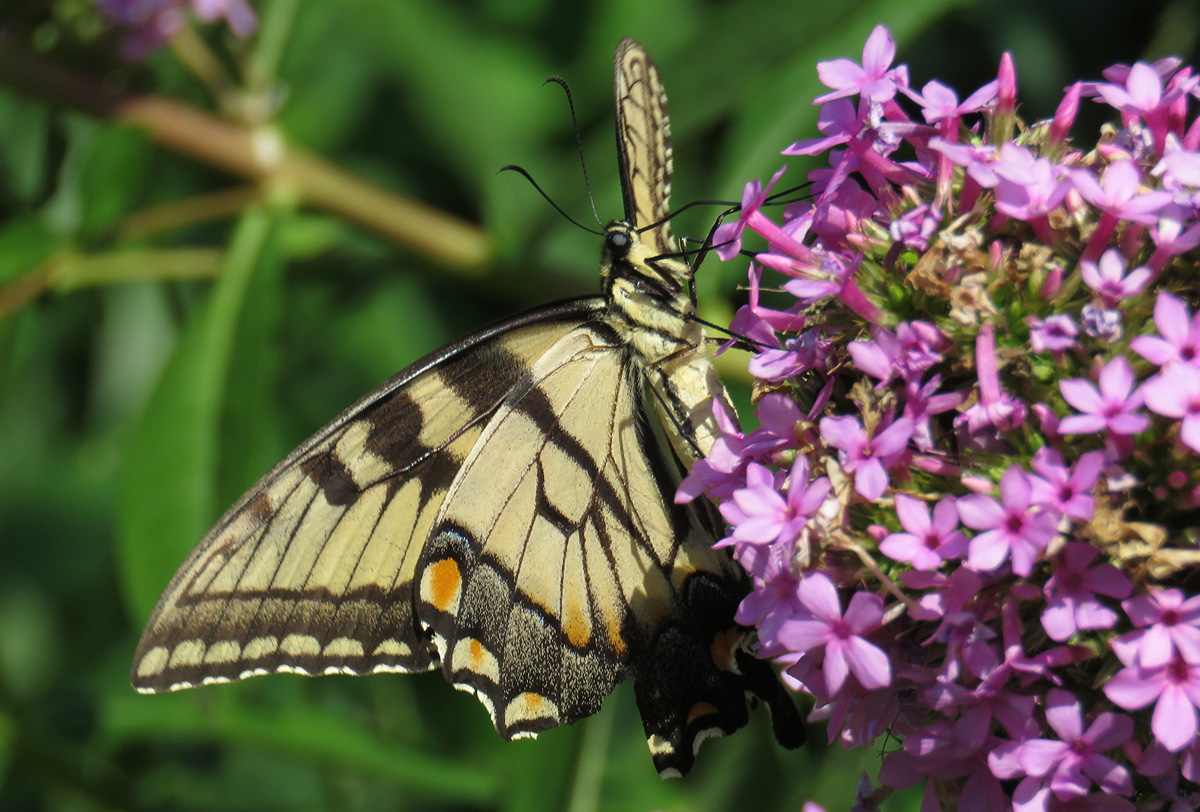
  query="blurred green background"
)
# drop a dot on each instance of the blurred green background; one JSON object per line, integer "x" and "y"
{"x": 169, "y": 329}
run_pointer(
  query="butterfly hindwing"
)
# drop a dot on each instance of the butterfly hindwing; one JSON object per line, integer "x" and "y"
{"x": 560, "y": 564}
{"x": 312, "y": 569}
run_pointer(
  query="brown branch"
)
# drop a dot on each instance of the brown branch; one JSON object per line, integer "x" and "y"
{"x": 259, "y": 154}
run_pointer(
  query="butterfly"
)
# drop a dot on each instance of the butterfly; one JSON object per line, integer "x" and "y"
{"x": 503, "y": 509}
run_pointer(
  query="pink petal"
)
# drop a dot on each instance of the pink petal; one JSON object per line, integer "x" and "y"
{"x": 1171, "y": 318}
{"x": 1156, "y": 647}
{"x": 945, "y": 515}
{"x": 1039, "y": 756}
{"x": 1130, "y": 689}
{"x": 892, "y": 440}
{"x": 1059, "y": 621}
{"x": 980, "y": 512}
{"x": 1082, "y": 394}
{"x": 1081, "y": 423}
{"x": 1126, "y": 425}
{"x": 818, "y": 594}
{"x": 1107, "y": 580}
{"x": 1064, "y": 714}
{"x": 835, "y": 668}
{"x": 913, "y": 514}
{"x": 804, "y": 635}
{"x": 907, "y": 547}
{"x": 869, "y": 663}
{"x": 986, "y": 552}
{"x": 1174, "y": 720}
{"x": 865, "y": 613}
{"x": 1111, "y": 777}
{"x": 759, "y": 530}
{"x": 879, "y": 51}
{"x": 840, "y": 74}
{"x": 844, "y": 433}
{"x": 1092, "y": 615}
{"x": 1144, "y": 86}
{"x": 871, "y": 480}
{"x": 1108, "y": 731}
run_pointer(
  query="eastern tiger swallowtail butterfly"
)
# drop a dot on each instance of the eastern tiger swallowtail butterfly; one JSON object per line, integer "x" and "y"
{"x": 503, "y": 509}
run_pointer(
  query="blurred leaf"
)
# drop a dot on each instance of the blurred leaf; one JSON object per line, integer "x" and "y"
{"x": 24, "y": 242}
{"x": 24, "y": 145}
{"x": 305, "y": 732}
{"x": 170, "y": 459}
{"x": 112, "y": 175}
{"x": 30, "y": 642}
{"x": 250, "y": 442}
{"x": 7, "y": 738}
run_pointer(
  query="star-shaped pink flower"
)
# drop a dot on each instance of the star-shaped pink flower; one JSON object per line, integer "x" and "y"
{"x": 1113, "y": 405}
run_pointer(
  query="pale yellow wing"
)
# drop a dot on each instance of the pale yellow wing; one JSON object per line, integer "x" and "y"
{"x": 559, "y": 563}
{"x": 643, "y": 144}
{"x": 312, "y": 569}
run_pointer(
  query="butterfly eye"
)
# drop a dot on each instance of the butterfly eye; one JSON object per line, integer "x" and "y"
{"x": 618, "y": 243}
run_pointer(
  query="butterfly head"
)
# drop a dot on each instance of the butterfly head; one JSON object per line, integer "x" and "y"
{"x": 632, "y": 270}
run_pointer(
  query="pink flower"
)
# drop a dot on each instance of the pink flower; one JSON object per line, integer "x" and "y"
{"x": 1180, "y": 334}
{"x": 1109, "y": 280}
{"x": 1067, "y": 491}
{"x": 1119, "y": 192}
{"x": 1012, "y": 527}
{"x": 927, "y": 542}
{"x": 1175, "y": 392}
{"x": 1173, "y": 687}
{"x": 1139, "y": 93}
{"x": 1073, "y": 763}
{"x": 868, "y": 459}
{"x": 875, "y": 79}
{"x": 1056, "y": 333}
{"x": 1113, "y": 405}
{"x": 1027, "y": 186}
{"x": 915, "y": 347}
{"x": 152, "y": 23}
{"x": 939, "y": 102}
{"x": 996, "y": 408}
{"x": 727, "y": 239}
{"x": 842, "y": 637}
{"x": 759, "y": 513}
{"x": 1071, "y": 604}
{"x": 1168, "y": 627}
{"x": 722, "y": 471}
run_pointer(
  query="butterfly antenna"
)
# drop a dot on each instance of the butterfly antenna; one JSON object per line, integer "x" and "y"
{"x": 743, "y": 342}
{"x": 520, "y": 170}
{"x": 780, "y": 197}
{"x": 561, "y": 82}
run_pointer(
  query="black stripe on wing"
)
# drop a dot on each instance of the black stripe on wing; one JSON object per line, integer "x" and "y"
{"x": 312, "y": 569}
{"x": 644, "y": 153}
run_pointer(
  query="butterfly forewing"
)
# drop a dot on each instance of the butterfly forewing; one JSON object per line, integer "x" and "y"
{"x": 505, "y": 509}
{"x": 312, "y": 569}
{"x": 643, "y": 144}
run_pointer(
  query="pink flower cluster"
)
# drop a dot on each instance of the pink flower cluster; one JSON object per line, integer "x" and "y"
{"x": 970, "y": 511}
{"x": 152, "y": 22}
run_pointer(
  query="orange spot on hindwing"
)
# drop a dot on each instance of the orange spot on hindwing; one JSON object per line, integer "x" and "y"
{"x": 724, "y": 644}
{"x": 442, "y": 585}
{"x": 477, "y": 653}
{"x": 700, "y": 710}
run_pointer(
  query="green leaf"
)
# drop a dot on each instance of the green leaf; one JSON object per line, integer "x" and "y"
{"x": 170, "y": 459}
{"x": 24, "y": 242}
{"x": 307, "y": 732}
{"x": 112, "y": 173}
